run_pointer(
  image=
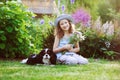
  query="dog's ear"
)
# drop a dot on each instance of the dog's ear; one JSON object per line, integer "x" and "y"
{"x": 40, "y": 57}
{"x": 50, "y": 51}
{"x": 53, "y": 58}
{"x": 42, "y": 52}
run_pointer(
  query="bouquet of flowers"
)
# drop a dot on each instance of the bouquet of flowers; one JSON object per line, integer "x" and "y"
{"x": 76, "y": 37}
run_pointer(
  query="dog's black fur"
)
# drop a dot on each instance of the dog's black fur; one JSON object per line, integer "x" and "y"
{"x": 38, "y": 58}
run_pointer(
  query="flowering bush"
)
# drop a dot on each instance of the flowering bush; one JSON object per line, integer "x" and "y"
{"x": 98, "y": 40}
{"x": 95, "y": 46}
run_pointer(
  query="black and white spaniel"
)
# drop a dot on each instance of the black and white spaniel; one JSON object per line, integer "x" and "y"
{"x": 46, "y": 56}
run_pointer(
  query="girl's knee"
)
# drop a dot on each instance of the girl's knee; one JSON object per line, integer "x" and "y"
{"x": 83, "y": 61}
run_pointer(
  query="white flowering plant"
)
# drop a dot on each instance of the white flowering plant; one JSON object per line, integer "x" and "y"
{"x": 76, "y": 37}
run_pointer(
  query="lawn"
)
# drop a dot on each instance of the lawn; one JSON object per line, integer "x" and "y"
{"x": 95, "y": 70}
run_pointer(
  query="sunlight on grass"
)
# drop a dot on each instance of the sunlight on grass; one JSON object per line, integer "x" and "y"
{"x": 95, "y": 70}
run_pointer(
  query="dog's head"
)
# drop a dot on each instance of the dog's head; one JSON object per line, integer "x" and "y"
{"x": 47, "y": 53}
{"x": 48, "y": 57}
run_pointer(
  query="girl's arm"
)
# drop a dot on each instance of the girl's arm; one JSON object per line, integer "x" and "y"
{"x": 55, "y": 46}
{"x": 67, "y": 47}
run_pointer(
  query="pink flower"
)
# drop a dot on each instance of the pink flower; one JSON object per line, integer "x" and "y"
{"x": 81, "y": 16}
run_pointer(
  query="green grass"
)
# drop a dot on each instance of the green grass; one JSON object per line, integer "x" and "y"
{"x": 95, "y": 70}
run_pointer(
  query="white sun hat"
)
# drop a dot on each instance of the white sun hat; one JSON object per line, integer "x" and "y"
{"x": 61, "y": 17}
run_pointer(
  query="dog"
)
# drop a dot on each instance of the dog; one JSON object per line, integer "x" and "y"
{"x": 46, "y": 57}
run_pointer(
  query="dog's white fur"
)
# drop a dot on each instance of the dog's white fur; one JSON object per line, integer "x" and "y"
{"x": 24, "y": 61}
{"x": 46, "y": 58}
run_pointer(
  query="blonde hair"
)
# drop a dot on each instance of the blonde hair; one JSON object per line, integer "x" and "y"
{"x": 59, "y": 32}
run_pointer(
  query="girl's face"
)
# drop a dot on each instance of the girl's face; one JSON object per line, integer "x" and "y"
{"x": 64, "y": 24}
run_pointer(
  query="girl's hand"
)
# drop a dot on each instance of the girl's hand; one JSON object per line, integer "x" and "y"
{"x": 68, "y": 47}
{"x": 71, "y": 50}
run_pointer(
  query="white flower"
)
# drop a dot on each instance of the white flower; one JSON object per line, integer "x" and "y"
{"x": 107, "y": 43}
{"x": 31, "y": 44}
{"x": 76, "y": 37}
{"x": 82, "y": 38}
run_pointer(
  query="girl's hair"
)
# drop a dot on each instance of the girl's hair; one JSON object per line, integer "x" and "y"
{"x": 59, "y": 32}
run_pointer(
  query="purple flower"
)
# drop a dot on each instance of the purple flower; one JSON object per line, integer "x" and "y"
{"x": 72, "y": 1}
{"x": 63, "y": 8}
{"x": 81, "y": 16}
{"x": 51, "y": 23}
{"x": 42, "y": 21}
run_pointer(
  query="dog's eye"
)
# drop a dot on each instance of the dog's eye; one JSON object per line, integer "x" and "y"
{"x": 48, "y": 51}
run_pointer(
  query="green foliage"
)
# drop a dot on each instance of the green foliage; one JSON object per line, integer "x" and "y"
{"x": 90, "y": 6}
{"x": 103, "y": 11}
{"x": 114, "y": 14}
{"x": 95, "y": 46}
{"x": 15, "y": 20}
{"x": 115, "y": 4}
{"x": 49, "y": 39}
{"x": 5, "y": 0}
{"x": 20, "y": 34}
{"x": 94, "y": 7}
{"x": 48, "y": 35}
{"x": 42, "y": 33}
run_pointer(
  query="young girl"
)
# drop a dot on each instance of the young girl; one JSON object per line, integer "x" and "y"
{"x": 66, "y": 53}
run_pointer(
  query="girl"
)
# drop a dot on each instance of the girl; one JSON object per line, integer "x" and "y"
{"x": 66, "y": 53}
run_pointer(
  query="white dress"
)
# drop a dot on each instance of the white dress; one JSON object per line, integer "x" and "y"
{"x": 69, "y": 57}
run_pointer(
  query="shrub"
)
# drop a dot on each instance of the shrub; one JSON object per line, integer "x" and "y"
{"x": 42, "y": 33}
{"x": 95, "y": 46}
{"x": 49, "y": 39}
{"x": 48, "y": 28}
{"x": 98, "y": 42}
{"x": 15, "y": 20}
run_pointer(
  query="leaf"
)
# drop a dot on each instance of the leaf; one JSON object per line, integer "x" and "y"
{"x": 104, "y": 49}
{"x": 2, "y": 45}
{"x": 9, "y": 29}
{"x": 20, "y": 40}
{"x": 1, "y": 32}
{"x": 16, "y": 29}
{"x": 3, "y": 38}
